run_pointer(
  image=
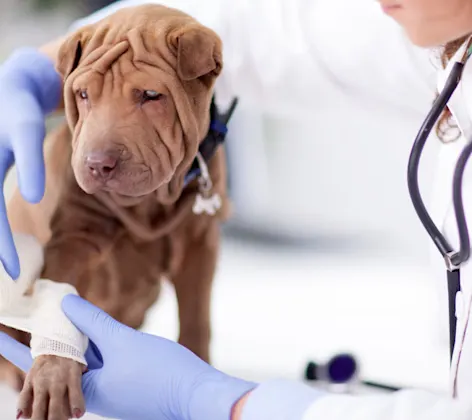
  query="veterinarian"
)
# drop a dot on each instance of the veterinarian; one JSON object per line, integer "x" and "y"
{"x": 137, "y": 376}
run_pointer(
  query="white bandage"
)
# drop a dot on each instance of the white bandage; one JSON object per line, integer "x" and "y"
{"x": 34, "y": 306}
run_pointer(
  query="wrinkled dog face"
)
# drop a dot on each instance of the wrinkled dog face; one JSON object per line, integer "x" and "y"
{"x": 138, "y": 87}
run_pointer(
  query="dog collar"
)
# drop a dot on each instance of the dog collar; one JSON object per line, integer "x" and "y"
{"x": 216, "y": 135}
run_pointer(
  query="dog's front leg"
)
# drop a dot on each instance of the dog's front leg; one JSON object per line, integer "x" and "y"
{"x": 193, "y": 281}
{"x": 67, "y": 261}
{"x": 52, "y": 388}
{"x": 9, "y": 373}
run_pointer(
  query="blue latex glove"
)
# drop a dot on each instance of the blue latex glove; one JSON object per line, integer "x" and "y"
{"x": 133, "y": 375}
{"x": 30, "y": 88}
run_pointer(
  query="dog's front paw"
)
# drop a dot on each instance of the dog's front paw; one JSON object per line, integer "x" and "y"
{"x": 52, "y": 390}
{"x": 11, "y": 375}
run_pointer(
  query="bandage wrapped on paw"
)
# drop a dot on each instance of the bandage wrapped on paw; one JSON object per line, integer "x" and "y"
{"x": 33, "y": 305}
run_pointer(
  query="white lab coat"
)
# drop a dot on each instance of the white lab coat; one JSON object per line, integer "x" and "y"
{"x": 284, "y": 57}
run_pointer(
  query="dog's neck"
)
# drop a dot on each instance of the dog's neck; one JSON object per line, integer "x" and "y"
{"x": 148, "y": 220}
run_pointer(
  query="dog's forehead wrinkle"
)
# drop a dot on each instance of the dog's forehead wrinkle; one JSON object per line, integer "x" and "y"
{"x": 103, "y": 57}
{"x": 157, "y": 64}
{"x": 129, "y": 77}
{"x": 115, "y": 76}
{"x": 137, "y": 42}
{"x": 143, "y": 39}
{"x": 156, "y": 54}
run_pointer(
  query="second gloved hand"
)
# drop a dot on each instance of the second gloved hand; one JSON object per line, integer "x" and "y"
{"x": 30, "y": 88}
{"x": 139, "y": 376}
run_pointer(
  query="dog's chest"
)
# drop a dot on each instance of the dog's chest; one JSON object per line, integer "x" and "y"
{"x": 144, "y": 221}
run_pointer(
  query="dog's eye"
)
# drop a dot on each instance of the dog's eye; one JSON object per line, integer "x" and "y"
{"x": 151, "y": 95}
{"x": 82, "y": 93}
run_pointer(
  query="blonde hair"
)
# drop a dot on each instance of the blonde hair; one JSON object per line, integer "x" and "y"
{"x": 446, "y": 122}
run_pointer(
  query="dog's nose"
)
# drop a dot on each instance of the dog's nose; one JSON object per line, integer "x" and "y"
{"x": 102, "y": 164}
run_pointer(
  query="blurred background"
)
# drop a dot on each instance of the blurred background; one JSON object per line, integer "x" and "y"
{"x": 324, "y": 253}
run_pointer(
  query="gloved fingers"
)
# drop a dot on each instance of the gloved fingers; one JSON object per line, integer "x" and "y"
{"x": 15, "y": 352}
{"x": 27, "y": 143}
{"x": 90, "y": 388}
{"x": 8, "y": 253}
{"x": 100, "y": 327}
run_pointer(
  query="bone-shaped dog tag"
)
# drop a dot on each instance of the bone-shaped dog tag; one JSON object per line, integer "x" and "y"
{"x": 208, "y": 205}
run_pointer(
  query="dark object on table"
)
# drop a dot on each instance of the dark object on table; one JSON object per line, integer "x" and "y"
{"x": 340, "y": 369}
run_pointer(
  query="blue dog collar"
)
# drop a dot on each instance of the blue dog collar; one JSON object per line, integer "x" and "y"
{"x": 216, "y": 135}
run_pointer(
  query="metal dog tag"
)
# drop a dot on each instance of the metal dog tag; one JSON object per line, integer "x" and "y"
{"x": 208, "y": 205}
{"x": 204, "y": 201}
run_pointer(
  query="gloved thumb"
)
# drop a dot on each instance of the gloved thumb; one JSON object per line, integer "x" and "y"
{"x": 27, "y": 141}
{"x": 100, "y": 327}
{"x": 90, "y": 389}
{"x": 8, "y": 252}
{"x": 15, "y": 352}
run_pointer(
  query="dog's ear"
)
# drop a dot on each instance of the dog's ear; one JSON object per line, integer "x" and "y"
{"x": 199, "y": 53}
{"x": 69, "y": 56}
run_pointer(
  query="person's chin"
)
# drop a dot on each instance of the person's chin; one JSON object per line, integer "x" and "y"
{"x": 426, "y": 40}
{"x": 415, "y": 33}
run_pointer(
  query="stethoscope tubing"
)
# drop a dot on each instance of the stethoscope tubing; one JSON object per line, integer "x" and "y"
{"x": 452, "y": 259}
{"x": 415, "y": 156}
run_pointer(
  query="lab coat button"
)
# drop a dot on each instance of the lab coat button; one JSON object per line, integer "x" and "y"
{"x": 459, "y": 305}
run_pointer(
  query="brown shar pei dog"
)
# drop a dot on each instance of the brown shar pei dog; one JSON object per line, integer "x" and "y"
{"x": 118, "y": 214}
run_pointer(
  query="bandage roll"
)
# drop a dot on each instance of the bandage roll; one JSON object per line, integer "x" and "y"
{"x": 33, "y": 305}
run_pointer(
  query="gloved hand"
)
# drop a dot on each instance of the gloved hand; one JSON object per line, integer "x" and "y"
{"x": 133, "y": 375}
{"x": 30, "y": 88}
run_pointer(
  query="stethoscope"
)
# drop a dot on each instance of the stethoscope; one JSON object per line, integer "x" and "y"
{"x": 453, "y": 259}
{"x": 342, "y": 369}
